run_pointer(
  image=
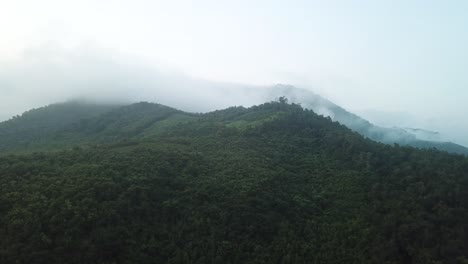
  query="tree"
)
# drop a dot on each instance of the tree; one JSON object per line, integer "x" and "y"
{"x": 283, "y": 100}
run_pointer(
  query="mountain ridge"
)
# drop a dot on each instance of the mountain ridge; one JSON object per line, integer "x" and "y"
{"x": 81, "y": 121}
{"x": 385, "y": 135}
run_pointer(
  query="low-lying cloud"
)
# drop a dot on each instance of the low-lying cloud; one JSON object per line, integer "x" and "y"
{"x": 48, "y": 74}
{"x": 45, "y": 76}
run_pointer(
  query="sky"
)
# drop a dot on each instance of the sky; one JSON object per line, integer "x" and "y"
{"x": 379, "y": 59}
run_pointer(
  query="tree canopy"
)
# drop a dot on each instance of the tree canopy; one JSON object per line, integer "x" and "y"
{"x": 272, "y": 183}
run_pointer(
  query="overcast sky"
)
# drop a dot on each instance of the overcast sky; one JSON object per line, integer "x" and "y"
{"x": 391, "y": 56}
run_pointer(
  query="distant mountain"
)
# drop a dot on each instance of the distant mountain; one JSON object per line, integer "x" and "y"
{"x": 403, "y": 136}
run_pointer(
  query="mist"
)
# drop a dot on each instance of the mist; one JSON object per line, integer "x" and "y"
{"x": 403, "y": 60}
{"x": 45, "y": 75}
{"x": 49, "y": 74}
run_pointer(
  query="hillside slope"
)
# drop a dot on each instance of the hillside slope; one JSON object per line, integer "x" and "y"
{"x": 385, "y": 135}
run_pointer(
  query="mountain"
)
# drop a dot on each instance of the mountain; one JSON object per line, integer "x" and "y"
{"x": 272, "y": 183}
{"x": 56, "y": 126}
{"x": 403, "y": 136}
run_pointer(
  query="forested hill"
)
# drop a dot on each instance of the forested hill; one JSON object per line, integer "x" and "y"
{"x": 37, "y": 127}
{"x": 273, "y": 183}
{"x": 394, "y": 135}
{"x": 64, "y": 125}
{"x": 58, "y": 126}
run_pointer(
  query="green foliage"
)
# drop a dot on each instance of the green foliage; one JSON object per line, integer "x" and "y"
{"x": 273, "y": 183}
{"x": 79, "y": 124}
{"x": 38, "y": 128}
